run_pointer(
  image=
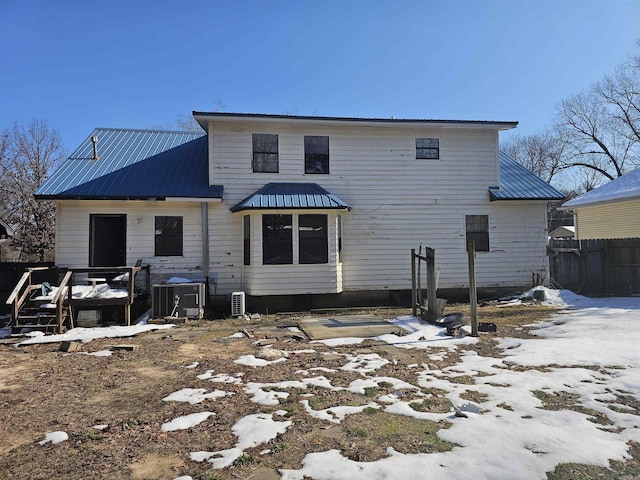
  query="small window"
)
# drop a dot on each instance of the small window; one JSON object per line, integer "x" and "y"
{"x": 312, "y": 239}
{"x": 428, "y": 148}
{"x": 168, "y": 236}
{"x": 478, "y": 231}
{"x": 246, "y": 236}
{"x": 277, "y": 239}
{"x": 265, "y": 153}
{"x": 316, "y": 154}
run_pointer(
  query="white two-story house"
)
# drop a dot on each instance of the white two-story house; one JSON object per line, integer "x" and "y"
{"x": 300, "y": 211}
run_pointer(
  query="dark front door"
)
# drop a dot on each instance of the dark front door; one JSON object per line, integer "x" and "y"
{"x": 107, "y": 240}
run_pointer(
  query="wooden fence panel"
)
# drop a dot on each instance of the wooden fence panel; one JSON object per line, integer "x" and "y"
{"x": 623, "y": 256}
{"x": 596, "y": 267}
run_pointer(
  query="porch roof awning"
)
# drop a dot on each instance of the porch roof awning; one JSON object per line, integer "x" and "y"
{"x": 291, "y": 196}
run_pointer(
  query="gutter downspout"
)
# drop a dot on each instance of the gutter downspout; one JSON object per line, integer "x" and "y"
{"x": 204, "y": 211}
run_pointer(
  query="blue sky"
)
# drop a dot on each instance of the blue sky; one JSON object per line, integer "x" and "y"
{"x": 141, "y": 64}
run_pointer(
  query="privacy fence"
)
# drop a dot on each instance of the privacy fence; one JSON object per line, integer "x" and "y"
{"x": 596, "y": 267}
{"x": 10, "y": 273}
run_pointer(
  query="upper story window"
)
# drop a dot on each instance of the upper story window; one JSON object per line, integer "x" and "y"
{"x": 316, "y": 154}
{"x": 168, "y": 236}
{"x": 478, "y": 230}
{"x": 265, "y": 153}
{"x": 428, "y": 148}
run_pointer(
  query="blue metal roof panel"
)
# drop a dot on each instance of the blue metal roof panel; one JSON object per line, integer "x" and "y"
{"x": 134, "y": 164}
{"x": 518, "y": 183}
{"x": 290, "y": 196}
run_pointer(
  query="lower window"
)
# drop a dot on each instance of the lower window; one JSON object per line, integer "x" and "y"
{"x": 312, "y": 239}
{"x": 277, "y": 239}
{"x": 478, "y": 230}
{"x": 168, "y": 236}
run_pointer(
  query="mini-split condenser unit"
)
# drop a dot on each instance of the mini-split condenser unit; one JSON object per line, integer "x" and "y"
{"x": 237, "y": 304}
{"x": 178, "y": 300}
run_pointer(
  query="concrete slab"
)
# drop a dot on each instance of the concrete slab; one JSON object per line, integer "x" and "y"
{"x": 365, "y": 326}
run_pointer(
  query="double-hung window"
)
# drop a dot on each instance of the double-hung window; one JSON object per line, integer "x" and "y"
{"x": 168, "y": 236}
{"x": 316, "y": 154}
{"x": 478, "y": 231}
{"x": 277, "y": 239}
{"x": 313, "y": 245}
{"x": 265, "y": 153}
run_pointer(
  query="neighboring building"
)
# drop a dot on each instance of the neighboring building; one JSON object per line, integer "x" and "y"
{"x": 609, "y": 211}
{"x": 563, "y": 232}
{"x": 305, "y": 211}
{"x": 6, "y": 252}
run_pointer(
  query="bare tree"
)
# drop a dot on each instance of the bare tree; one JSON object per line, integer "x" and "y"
{"x": 542, "y": 153}
{"x": 189, "y": 124}
{"x": 27, "y": 156}
{"x": 602, "y": 125}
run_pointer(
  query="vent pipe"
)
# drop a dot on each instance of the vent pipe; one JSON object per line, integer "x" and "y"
{"x": 94, "y": 139}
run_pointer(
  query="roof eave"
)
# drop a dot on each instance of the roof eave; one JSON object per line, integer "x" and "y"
{"x": 203, "y": 118}
{"x": 236, "y": 208}
{"x": 594, "y": 203}
{"x": 48, "y": 198}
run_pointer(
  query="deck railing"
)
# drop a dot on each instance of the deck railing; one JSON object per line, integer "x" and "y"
{"x": 22, "y": 291}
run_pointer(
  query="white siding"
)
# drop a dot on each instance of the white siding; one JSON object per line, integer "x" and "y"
{"x": 398, "y": 203}
{"x": 73, "y": 235}
{"x": 609, "y": 220}
{"x": 261, "y": 279}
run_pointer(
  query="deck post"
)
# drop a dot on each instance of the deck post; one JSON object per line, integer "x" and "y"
{"x": 430, "y": 255}
{"x": 414, "y": 310}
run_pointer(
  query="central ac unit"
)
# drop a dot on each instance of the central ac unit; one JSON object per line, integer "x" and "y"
{"x": 179, "y": 299}
{"x": 237, "y": 304}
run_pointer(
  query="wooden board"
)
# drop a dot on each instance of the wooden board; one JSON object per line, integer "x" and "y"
{"x": 365, "y": 326}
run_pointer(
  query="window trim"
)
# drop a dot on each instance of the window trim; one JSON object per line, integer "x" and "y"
{"x": 328, "y": 155}
{"x": 294, "y": 228}
{"x": 157, "y": 236}
{"x": 264, "y": 165}
{"x": 339, "y": 235}
{"x": 246, "y": 240}
{"x": 425, "y": 149}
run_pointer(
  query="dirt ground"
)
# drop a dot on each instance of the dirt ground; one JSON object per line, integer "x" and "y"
{"x": 44, "y": 390}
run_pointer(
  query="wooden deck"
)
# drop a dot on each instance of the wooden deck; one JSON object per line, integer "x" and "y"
{"x": 57, "y": 314}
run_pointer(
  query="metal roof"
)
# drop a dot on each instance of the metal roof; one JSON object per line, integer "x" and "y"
{"x": 501, "y": 125}
{"x": 518, "y": 183}
{"x": 290, "y": 195}
{"x": 134, "y": 164}
{"x": 626, "y": 187}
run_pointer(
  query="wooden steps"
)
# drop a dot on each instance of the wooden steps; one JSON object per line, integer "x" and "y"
{"x": 37, "y": 318}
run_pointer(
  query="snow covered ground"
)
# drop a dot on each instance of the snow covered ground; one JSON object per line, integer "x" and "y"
{"x": 588, "y": 350}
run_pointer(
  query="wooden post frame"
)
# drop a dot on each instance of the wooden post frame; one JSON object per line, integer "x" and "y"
{"x": 473, "y": 294}
{"x": 430, "y": 257}
{"x": 416, "y": 290}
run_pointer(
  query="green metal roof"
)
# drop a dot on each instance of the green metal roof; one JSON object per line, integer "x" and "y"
{"x": 134, "y": 164}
